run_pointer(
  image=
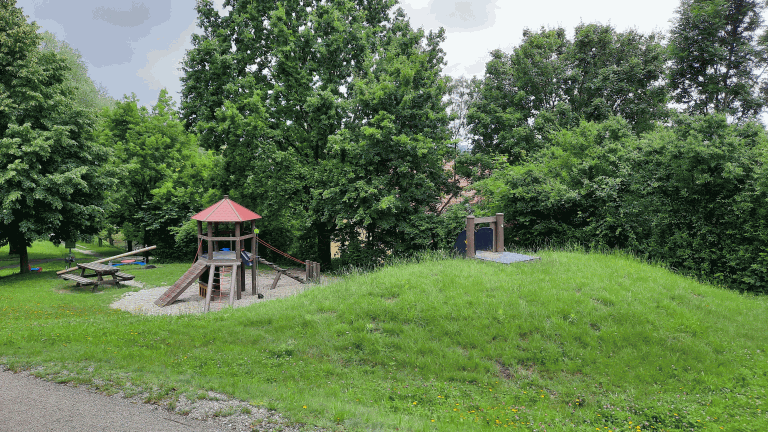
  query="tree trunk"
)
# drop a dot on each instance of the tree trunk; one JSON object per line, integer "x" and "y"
{"x": 323, "y": 245}
{"x": 129, "y": 245}
{"x": 23, "y": 259}
{"x": 147, "y": 241}
{"x": 19, "y": 245}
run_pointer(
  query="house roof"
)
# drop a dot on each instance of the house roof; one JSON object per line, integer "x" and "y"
{"x": 226, "y": 210}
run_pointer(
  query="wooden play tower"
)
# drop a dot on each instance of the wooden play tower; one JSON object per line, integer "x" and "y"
{"x": 234, "y": 256}
{"x": 216, "y": 258}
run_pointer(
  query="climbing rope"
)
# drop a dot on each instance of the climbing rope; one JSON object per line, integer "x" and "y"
{"x": 279, "y": 251}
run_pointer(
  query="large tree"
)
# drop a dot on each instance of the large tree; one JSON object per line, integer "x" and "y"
{"x": 549, "y": 83}
{"x": 287, "y": 89}
{"x": 162, "y": 174}
{"x": 718, "y": 57}
{"x": 51, "y": 173}
{"x": 617, "y": 73}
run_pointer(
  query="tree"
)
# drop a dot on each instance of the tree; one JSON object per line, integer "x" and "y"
{"x": 88, "y": 94}
{"x": 690, "y": 194}
{"x": 270, "y": 84}
{"x": 549, "y": 83}
{"x": 52, "y": 174}
{"x": 617, "y": 73}
{"x": 718, "y": 56}
{"x": 391, "y": 158}
{"x": 517, "y": 87}
{"x": 163, "y": 176}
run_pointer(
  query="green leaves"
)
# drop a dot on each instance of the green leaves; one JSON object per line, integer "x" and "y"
{"x": 717, "y": 52}
{"x": 328, "y": 114}
{"x": 549, "y": 83}
{"x": 692, "y": 195}
{"x": 163, "y": 175}
{"x": 53, "y": 177}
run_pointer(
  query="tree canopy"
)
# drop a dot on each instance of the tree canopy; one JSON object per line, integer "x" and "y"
{"x": 324, "y": 111}
{"x": 52, "y": 178}
{"x": 163, "y": 176}
{"x": 718, "y": 54}
{"x": 549, "y": 82}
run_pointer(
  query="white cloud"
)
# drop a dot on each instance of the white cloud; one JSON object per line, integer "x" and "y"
{"x": 162, "y": 67}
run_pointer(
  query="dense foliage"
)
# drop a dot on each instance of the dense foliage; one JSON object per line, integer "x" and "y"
{"x": 718, "y": 54}
{"x": 693, "y": 195}
{"x": 329, "y": 117}
{"x": 549, "y": 82}
{"x": 52, "y": 174}
{"x": 333, "y": 120}
{"x": 163, "y": 176}
{"x": 576, "y": 141}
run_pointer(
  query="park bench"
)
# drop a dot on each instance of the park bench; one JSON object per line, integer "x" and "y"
{"x": 124, "y": 276}
{"x": 81, "y": 281}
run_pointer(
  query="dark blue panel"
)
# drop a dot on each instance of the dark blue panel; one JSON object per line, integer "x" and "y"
{"x": 484, "y": 239}
{"x": 461, "y": 243}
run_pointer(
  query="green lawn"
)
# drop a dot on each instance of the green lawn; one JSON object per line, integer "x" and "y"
{"x": 574, "y": 342}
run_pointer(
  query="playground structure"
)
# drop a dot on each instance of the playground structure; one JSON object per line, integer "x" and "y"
{"x": 217, "y": 260}
{"x": 487, "y": 243}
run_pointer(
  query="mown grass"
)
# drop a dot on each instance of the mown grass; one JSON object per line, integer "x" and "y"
{"x": 45, "y": 250}
{"x": 574, "y": 342}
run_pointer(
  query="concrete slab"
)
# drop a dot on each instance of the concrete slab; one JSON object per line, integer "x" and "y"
{"x": 504, "y": 257}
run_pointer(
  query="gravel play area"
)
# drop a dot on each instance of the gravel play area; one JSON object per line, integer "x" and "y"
{"x": 190, "y": 302}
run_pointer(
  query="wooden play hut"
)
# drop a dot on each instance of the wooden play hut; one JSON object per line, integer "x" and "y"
{"x": 216, "y": 259}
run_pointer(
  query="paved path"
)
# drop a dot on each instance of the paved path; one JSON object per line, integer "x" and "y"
{"x": 29, "y": 404}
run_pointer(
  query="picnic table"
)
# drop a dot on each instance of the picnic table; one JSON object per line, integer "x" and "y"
{"x": 97, "y": 271}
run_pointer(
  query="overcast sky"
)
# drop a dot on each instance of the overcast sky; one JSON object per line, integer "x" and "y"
{"x": 135, "y": 46}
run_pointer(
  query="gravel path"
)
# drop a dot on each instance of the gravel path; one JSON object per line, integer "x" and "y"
{"x": 29, "y": 404}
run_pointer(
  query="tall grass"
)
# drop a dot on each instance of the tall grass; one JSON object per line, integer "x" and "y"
{"x": 573, "y": 342}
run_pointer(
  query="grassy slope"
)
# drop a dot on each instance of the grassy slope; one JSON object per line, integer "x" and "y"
{"x": 574, "y": 342}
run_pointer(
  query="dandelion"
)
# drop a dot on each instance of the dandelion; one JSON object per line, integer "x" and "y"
{"x": 305, "y": 407}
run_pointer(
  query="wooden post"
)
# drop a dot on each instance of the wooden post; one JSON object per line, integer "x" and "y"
{"x": 499, "y": 233}
{"x": 238, "y": 243}
{"x": 216, "y": 242}
{"x": 253, "y": 255}
{"x": 211, "y": 271}
{"x": 308, "y": 273}
{"x": 470, "y": 236}
{"x": 234, "y": 289}
{"x": 316, "y": 271}
{"x": 199, "y": 239}
{"x": 274, "y": 282}
{"x": 210, "y": 242}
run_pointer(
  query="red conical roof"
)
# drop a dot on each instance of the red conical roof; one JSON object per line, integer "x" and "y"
{"x": 226, "y": 210}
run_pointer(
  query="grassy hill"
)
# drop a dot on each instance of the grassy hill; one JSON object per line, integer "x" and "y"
{"x": 574, "y": 342}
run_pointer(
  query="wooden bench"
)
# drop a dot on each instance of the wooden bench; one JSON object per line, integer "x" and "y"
{"x": 81, "y": 281}
{"x": 124, "y": 276}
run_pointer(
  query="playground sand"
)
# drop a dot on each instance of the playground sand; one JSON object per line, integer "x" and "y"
{"x": 190, "y": 302}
